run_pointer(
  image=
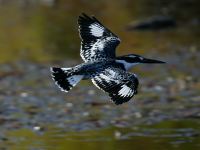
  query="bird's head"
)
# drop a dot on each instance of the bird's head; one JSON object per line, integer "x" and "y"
{"x": 133, "y": 59}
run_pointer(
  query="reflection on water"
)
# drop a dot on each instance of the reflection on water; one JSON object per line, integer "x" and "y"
{"x": 173, "y": 135}
{"x": 39, "y": 30}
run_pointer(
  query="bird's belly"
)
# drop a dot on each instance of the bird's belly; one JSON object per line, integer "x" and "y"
{"x": 89, "y": 74}
{"x": 91, "y": 70}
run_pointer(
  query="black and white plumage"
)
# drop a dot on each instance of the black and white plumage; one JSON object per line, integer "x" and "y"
{"x": 120, "y": 84}
{"x": 97, "y": 41}
{"x": 107, "y": 72}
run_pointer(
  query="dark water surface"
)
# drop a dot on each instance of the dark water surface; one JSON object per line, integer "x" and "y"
{"x": 173, "y": 135}
{"x": 35, "y": 115}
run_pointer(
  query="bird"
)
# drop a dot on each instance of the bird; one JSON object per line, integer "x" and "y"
{"x": 107, "y": 71}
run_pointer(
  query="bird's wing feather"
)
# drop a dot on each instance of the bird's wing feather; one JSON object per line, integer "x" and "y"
{"x": 120, "y": 85}
{"x": 98, "y": 42}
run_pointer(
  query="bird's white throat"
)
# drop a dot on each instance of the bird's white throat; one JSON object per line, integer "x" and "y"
{"x": 127, "y": 65}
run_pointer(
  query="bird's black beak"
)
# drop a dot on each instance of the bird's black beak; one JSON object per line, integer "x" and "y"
{"x": 151, "y": 61}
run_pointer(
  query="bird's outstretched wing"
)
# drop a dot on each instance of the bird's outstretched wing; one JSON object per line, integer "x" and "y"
{"x": 98, "y": 42}
{"x": 120, "y": 85}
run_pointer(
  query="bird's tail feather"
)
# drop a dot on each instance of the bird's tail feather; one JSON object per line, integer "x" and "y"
{"x": 65, "y": 78}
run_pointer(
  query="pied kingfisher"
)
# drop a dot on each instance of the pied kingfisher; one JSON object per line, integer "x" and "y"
{"x": 107, "y": 71}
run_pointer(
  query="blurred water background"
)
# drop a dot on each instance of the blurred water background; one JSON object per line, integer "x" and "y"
{"x": 35, "y": 114}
